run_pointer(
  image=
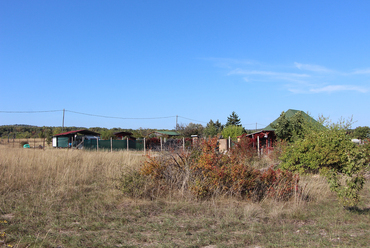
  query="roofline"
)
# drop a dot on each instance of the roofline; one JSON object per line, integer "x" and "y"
{"x": 260, "y": 132}
{"x": 174, "y": 133}
{"x": 70, "y": 133}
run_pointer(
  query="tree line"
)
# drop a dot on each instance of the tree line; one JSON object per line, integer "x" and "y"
{"x": 212, "y": 129}
{"x": 285, "y": 129}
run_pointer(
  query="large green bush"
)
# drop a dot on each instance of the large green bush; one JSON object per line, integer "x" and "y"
{"x": 330, "y": 152}
{"x": 232, "y": 131}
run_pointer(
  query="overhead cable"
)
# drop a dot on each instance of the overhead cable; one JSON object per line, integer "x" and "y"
{"x": 123, "y": 118}
{"x": 191, "y": 119}
{"x": 29, "y": 112}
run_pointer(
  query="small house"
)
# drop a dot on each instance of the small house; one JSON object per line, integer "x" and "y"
{"x": 166, "y": 134}
{"x": 124, "y": 135}
{"x": 73, "y": 138}
{"x": 264, "y": 138}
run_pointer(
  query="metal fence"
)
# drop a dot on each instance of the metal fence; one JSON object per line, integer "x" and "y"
{"x": 114, "y": 145}
{"x": 157, "y": 144}
{"x": 18, "y": 143}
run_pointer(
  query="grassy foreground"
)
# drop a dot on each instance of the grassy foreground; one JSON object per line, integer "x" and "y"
{"x": 65, "y": 198}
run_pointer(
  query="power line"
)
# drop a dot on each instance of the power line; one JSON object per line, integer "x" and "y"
{"x": 29, "y": 112}
{"x": 102, "y": 116}
{"x": 249, "y": 124}
{"x": 123, "y": 118}
{"x": 192, "y": 119}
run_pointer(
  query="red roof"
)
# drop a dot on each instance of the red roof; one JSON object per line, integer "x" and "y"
{"x": 121, "y": 134}
{"x": 83, "y": 131}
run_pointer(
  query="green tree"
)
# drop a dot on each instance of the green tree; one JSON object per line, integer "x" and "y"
{"x": 49, "y": 136}
{"x": 330, "y": 152}
{"x": 212, "y": 128}
{"x": 144, "y": 132}
{"x": 362, "y": 132}
{"x": 42, "y": 134}
{"x": 233, "y": 120}
{"x": 290, "y": 129}
{"x": 232, "y": 131}
{"x": 24, "y": 135}
{"x": 57, "y": 130}
{"x": 219, "y": 126}
{"x": 107, "y": 134}
{"x": 190, "y": 129}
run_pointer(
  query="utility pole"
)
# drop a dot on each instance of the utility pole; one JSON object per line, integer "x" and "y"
{"x": 177, "y": 117}
{"x": 63, "y": 119}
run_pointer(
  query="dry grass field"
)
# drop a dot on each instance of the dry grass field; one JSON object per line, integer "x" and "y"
{"x": 16, "y": 143}
{"x": 69, "y": 198}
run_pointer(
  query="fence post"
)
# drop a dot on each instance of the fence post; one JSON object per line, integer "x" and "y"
{"x": 144, "y": 148}
{"x": 258, "y": 145}
{"x": 161, "y": 143}
{"x": 97, "y": 144}
{"x": 111, "y": 145}
{"x": 127, "y": 143}
{"x": 229, "y": 143}
{"x": 183, "y": 143}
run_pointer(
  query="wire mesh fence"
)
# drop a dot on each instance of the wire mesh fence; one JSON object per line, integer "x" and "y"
{"x": 38, "y": 143}
{"x": 154, "y": 144}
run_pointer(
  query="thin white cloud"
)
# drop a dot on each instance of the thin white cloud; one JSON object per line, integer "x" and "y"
{"x": 297, "y": 91}
{"x": 267, "y": 73}
{"x": 313, "y": 68}
{"x": 296, "y": 80}
{"x": 363, "y": 71}
{"x": 333, "y": 88}
{"x": 309, "y": 79}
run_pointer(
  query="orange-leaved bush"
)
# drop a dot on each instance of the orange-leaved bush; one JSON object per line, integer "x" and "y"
{"x": 205, "y": 172}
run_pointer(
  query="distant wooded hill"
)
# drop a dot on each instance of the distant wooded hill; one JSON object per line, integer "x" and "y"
{"x": 21, "y": 131}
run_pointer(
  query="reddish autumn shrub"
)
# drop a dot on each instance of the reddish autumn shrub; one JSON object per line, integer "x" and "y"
{"x": 205, "y": 172}
{"x": 152, "y": 143}
{"x": 276, "y": 152}
{"x": 168, "y": 171}
{"x": 277, "y": 184}
{"x": 243, "y": 151}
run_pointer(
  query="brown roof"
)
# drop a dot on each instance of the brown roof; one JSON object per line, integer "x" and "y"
{"x": 83, "y": 131}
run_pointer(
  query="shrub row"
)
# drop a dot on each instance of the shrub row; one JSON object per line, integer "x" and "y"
{"x": 204, "y": 172}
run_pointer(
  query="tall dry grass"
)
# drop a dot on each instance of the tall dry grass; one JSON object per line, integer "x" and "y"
{"x": 17, "y": 143}
{"x": 67, "y": 198}
{"x": 58, "y": 171}
{"x": 55, "y": 172}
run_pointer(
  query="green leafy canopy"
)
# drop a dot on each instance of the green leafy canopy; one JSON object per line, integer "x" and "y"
{"x": 330, "y": 152}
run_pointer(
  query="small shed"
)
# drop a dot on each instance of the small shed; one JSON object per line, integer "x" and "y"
{"x": 265, "y": 138}
{"x": 166, "y": 134}
{"x": 73, "y": 138}
{"x": 122, "y": 135}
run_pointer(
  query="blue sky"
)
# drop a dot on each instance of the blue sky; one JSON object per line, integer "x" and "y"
{"x": 199, "y": 60}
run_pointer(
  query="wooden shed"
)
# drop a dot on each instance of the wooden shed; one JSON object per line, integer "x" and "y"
{"x": 73, "y": 138}
{"x": 123, "y": 135}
